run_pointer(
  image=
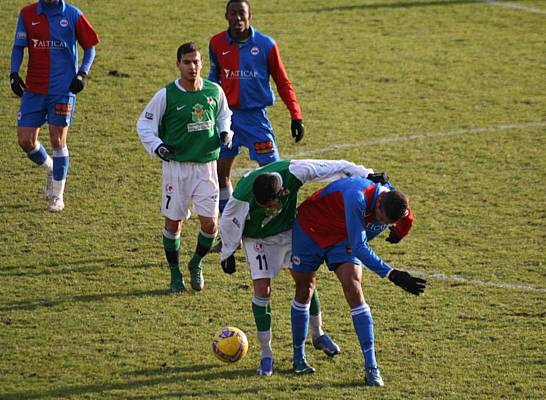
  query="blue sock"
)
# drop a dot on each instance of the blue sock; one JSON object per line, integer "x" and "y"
{"x": 299, "y": 314}
{"x": 363, "y": 323}
{"x": 38, "y": 155}
{"x": 60, "y": 163}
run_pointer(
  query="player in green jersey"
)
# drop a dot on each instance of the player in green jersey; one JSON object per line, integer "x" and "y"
{"x": 184, "y": 124}
{"x": 260, "y": 212}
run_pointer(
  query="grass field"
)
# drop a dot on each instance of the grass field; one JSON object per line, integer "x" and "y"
{"x": 447, "y": 96}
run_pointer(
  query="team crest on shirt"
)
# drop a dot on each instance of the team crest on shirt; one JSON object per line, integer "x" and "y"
{"x": 169, "y": 188}
{"x": 259, "y": 247}
{"x": 63, "y": 22}
{"x": 254, "y": 51}
{"x": 197, "y": 116}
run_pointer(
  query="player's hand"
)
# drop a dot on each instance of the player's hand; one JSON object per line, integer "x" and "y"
{"x": 297, "y": 129}
{"x": 17, "y": 84}
{"x": 164, "y": 152}
{"x": 78, "y": 83}
{"x": 228, "y": 265}
{"x": 393, "y": 236}
{"x": 378, "y": 177}
{"x": 227, "y": 138}
{"x": 407, "y": 282}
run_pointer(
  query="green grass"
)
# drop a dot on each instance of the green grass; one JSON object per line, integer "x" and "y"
{"x": 84, "y": 307}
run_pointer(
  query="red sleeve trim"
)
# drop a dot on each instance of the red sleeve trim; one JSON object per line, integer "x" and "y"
{"x": 284, "y": 86}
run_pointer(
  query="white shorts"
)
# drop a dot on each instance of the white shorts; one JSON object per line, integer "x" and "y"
{"x": 185, "y": 183}
{"x": 266, "y": 257}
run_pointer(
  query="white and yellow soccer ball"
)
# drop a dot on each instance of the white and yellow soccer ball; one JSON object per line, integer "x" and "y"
{"x": 230, "y": 345}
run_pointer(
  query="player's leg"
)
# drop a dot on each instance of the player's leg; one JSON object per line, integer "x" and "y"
{"x": 59, "y": 116}
{"x": 175, "y": 201}
{"x": 258, "y": 136}
{"x": 32, "y": 115}
{"x": 350, "y": 276}
{"x": 205, "y": 202}
{"x": 265, "y": 258}
{"x": 171, "y": 244}
{"x": 225, "y": 166}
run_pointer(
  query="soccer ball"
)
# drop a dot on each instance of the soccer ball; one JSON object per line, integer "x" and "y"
{"x": 230, "y": 345}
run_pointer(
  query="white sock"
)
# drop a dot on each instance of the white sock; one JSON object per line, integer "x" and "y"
{"x": 315, "y": 322}
{"x": 58, "y": 188}
{"x": 264, "y": 337}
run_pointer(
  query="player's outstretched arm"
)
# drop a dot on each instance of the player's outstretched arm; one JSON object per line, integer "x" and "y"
{"x": 407, "y": 282}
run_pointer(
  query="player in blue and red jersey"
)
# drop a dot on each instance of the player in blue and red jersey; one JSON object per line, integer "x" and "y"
{"x": 242, "y": 61}
{"x": 334, "y": 226}
{"x": 51, "y": 30}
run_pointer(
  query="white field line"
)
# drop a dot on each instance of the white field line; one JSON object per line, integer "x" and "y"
{"x": 516, "y": 7}
{"x": 401, "y": 138}
{"x": 477, "y": 282}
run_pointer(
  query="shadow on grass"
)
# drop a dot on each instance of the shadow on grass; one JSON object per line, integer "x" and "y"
{"x": 412, "y": 4}
{"x": 205, "y": 373}
{"x": 26, "y": 305}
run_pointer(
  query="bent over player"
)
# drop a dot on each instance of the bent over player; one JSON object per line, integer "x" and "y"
{"x": 261, "y": 212}
{"x": 242, "y": 60}
{"x": 51, "y": 30}
{"x": 183, "y": 125}
{"x": 334, "y": 226}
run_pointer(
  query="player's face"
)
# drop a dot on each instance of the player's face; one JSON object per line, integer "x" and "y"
{"x": 190, "y": 65}
{"x": 238, "y": 16}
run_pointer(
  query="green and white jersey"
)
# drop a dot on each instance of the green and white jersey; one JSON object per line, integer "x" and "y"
{"x": 188, "y": 122}
{"x": 243, "y": 217}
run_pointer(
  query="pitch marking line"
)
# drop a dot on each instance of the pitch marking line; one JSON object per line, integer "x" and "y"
{"x": 516, "y": 7}
{"x": 478, "y": 282}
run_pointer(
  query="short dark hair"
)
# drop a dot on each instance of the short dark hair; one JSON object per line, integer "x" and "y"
{"x": 186, "y": 48}
{"x": 230, "y": 2}
{"x": 266, "y": 188}
{"x": 395, "y": 204}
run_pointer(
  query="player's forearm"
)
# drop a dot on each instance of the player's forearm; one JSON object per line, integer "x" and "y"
{"x": 87, "y": 60}
{"x": 17, "y": 54}
{"x": 232, "y": 225}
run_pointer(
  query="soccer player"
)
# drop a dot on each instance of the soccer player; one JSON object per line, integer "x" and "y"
{"x": 261, "y": 212}
{"x": 183, "y": 125}
{"x": 334, "y": 226}
{"x": 242, "y": 61}
{"x": 51, "y": 29}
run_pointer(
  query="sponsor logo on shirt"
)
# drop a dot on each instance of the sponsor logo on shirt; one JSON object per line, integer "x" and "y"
{"x": 254, "y": 51}
{"x": 240, "y": 74}
{"x": 63, "y": 109}
{"x": 63, "y": 22}
{"x": 35, "y": 23}
{"x": 49, "y": 44}
{"x": 197, "y": 117}
{"x": 226, "y": 52}
{"x": 148, "y": 115}
{"x": 178, "y": 108}
{"x": 373, "y": 227}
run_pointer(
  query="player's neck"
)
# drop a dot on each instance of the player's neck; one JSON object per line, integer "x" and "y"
{"x": 190, "y": 86}
{"x": 240, "y": 37}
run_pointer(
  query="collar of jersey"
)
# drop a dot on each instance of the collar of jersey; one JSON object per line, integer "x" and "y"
{"x": 250, "y": 39}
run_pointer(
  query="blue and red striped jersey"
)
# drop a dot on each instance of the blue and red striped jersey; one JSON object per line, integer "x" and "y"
{"x": 52, "y": 42}
{"x": 243, "y": 71}
{"x": 345, "y": 210}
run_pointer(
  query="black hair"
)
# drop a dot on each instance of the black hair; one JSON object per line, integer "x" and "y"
{"x": 266, "y": 188}
{"x": 395, "y": 204}
{"x": 230, "y": 2}
{"x": 186, "y": 48}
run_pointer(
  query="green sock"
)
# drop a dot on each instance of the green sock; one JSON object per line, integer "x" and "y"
{"x": 205, "y": 241}
{"x": 315, "y": 304}
{"x": 262, "y": 313}
{"x": 171, "y": 244}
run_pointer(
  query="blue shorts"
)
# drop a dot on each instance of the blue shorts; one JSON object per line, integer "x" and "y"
{"x": 253, "y": 130}
{"x": 37, "y": 108}
{"x": 307, "y": 255}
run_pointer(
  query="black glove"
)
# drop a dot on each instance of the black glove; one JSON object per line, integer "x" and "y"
{"x": 378, "y": 177}
{"x": 78, "y": 83}
{"x": 407, "y": 282}
{"x": 17, "y": 84}
{"x": 393, "y": 237}
{"x": 226, "y": 138}
{"x": 297, "y": 129}
{"x": 228, "y": 265}
{"x": 164, "y": 152}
